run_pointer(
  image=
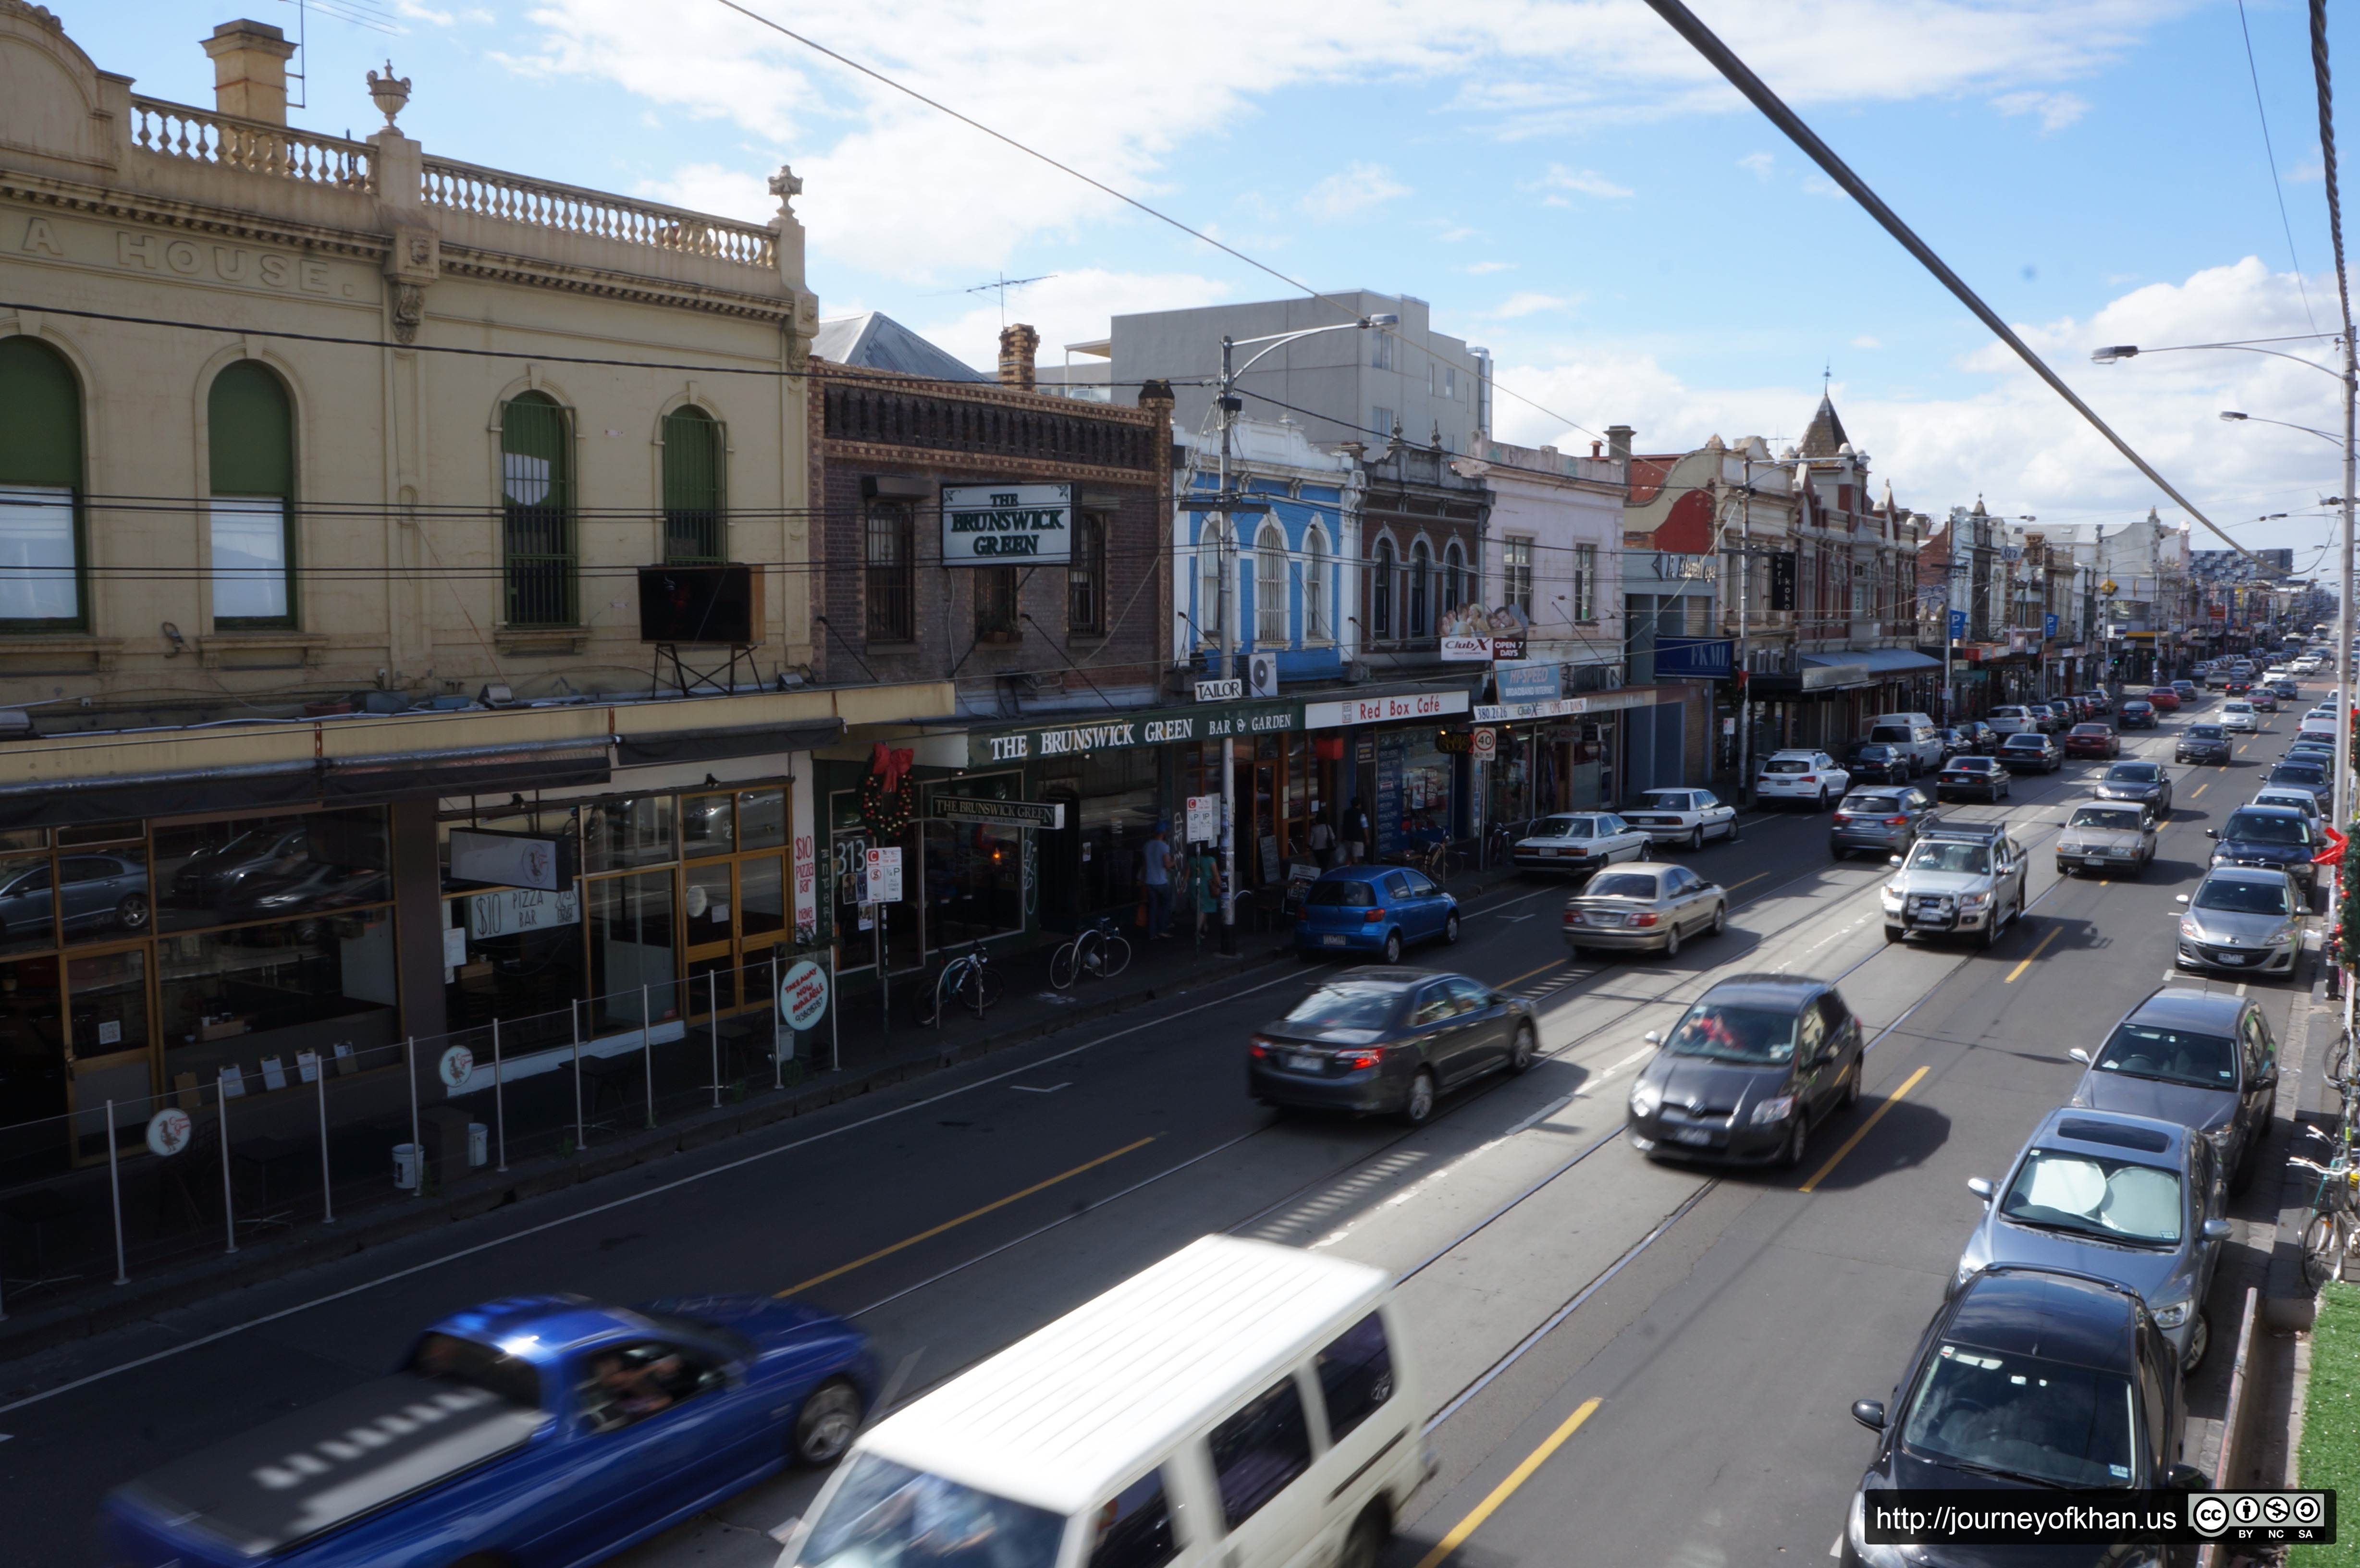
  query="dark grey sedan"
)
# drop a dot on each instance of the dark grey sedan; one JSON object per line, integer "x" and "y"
{"x": 2127, "y": 1198}
{"x": 1390, "y": 1040}
{"x": 1883, "y": 821}
{"x": 2204, "y": 1060}
{"x": 2201, "y": 743}
{"x": 2144, "y": 783}
{"x": 2315, "y": 777}
{"x": 2026, "y": 752}
{"x": 1753, "y": 1065}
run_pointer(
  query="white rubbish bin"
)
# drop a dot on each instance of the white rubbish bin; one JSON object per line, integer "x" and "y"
{"x": 405, "y": 1166}
{"x": 479, "y": 1144}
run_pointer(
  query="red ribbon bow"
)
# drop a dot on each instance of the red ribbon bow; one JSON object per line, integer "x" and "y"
{"x": 2333, "y": 853}
{"x": 892, "y": 764}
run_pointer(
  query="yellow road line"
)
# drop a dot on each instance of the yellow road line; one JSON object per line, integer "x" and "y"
{"x": 2028, "y": 957}
{"x": 970, "y": 1215}
{"x": 2202, "y": 788}
{"x": 1734, "y": 886}
{"x": 1854, "y": 1142}
{"x": 1507, "y": 1488}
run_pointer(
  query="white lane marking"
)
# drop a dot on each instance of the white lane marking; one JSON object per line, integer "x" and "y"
{"x": 1037, "y": 1089}
{"x": 1837, "y": 1550}
{"x": 452, "y": 1257}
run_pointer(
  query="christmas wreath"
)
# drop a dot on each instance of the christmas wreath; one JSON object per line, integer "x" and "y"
{"x": 885, "y": 793}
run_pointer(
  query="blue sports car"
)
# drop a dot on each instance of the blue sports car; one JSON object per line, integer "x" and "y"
{"x": 535, "y": 1431}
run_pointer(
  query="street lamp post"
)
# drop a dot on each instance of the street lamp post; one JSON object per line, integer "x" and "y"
{"x": 1229, "y": 403}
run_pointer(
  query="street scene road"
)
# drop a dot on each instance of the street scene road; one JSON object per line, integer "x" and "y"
{"x": 1722, "y": 1322}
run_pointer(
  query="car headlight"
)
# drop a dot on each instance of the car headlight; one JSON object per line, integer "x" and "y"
{"x": 1890, "y": 896}
{"x": 2173, "y": 1314}
{"x": 1775, "y": 1109}
{"x": 1973, "y": 900}
{"x": 1870, "y": 1556}
{"x": 2190, "y": 930}
{"x": 1646, "y": 1099}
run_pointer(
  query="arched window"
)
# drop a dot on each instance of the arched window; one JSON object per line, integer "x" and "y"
{"x": 1455, "y": 586}
{"x": 40, "y": 491}
{"x": 1211, "y": 536}
{"x": 250, "y": 429}
{"x": 1380, "y": 591}
{"x": 536, "y": 507}
{"x": 695, "y": 527}
{"x": 1421, "y": 572}
{"x": 1270, "y": 587}
{"x": 1314, "y": 586}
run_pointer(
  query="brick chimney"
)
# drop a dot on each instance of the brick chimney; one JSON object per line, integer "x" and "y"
{"x": 1017, "y": 346}
{"x": 250, "y": 70}
{"x": 1618, "y": 441}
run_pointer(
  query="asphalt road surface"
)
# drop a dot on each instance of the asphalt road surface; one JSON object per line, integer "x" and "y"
{"x": 1710, "y": 1332}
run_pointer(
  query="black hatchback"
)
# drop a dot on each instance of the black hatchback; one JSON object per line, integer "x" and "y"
{"x": 1390, "y": 1040}
{"x": 2029, "y": 1382}
{"x": 1751, "y": 1068}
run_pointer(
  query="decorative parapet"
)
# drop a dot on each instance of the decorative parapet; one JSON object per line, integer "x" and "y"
{"x": 252, "y": 146}
{"x": 568, "y": 209}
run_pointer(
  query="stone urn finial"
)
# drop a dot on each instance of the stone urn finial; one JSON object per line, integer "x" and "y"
{"x": 786, "y": 185}
{"x": 389, "y": 93}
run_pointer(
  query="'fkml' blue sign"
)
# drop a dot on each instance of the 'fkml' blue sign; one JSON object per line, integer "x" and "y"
{"x": 1693, "y": 658}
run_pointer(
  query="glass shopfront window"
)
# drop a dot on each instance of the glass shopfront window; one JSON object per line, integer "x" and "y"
{"x": 1093, "y": 865}
{"x": 977, "y": 876}
{"x": 1414, "y": 791}
{"x": 632, "y": 947}
{"x": 32, "y": 1057}
{"x": 617, "y": 835}
{"x": 519, "y": 956}
{"x": 849, "y": 842}
{"x": 215, "y": 874}
{"x": 252, "y": 994}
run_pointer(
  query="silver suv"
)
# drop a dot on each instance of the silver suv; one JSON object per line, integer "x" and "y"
{"x": 1956, "y": 878}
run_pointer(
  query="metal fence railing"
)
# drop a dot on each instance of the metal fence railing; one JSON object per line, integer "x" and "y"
{"x": 120, "y": 1188}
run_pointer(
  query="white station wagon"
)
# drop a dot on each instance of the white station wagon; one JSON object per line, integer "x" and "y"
{"x": 1682, "y": 817}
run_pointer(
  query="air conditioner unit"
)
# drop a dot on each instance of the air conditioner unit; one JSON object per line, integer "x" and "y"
{"x": 1613, "y": 677}
{"x": 1262, "y": 675}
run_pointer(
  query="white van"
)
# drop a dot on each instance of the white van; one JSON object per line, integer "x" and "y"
{"x": 1914, "y": 733}
{"x": 1239, "y": 1404}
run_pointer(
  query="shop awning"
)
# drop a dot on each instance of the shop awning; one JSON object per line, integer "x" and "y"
{"x": 715, "y": 745}
{"x": 1877, "y": 661}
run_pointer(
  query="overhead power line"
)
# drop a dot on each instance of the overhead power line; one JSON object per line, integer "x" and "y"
{"x": 1741, "y": 76}
{"x": 2270, "y": 156}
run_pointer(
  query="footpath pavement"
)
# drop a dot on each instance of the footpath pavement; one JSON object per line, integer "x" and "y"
{"x": 877, "y": 1050}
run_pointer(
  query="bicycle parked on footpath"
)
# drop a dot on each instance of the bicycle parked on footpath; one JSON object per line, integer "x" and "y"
{"x": 966, "y": 981}
{"x": 1099, "y": 949}
{"x": 2331, "y": 1233}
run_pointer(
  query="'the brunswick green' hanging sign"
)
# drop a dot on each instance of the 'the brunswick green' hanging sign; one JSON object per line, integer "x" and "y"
{"x": 1120, "y": 732}
{"x": 1007, "y": 525}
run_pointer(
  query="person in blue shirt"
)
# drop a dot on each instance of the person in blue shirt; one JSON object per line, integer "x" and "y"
{"x": 1157, "y": 879}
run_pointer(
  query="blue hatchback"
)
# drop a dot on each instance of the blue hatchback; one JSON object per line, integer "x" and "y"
{"x": 538, "y": 1432}
{"x": 1373, "y": 910}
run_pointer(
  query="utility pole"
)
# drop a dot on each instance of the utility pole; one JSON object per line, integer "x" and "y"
{"x": 1229, "y": 406}
{"x": 2343, "y": 659}
{"x": 1746, "y": 640}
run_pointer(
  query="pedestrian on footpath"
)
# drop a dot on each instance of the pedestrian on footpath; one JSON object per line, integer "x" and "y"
{"x": 1157, "y": 877}
{"x": 1204, "y": 881}
{"x": 1356, "y": 833}
{"x": 1323, "y": 840}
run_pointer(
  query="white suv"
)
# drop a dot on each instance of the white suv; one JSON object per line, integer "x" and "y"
{"x": 2011, "y": 721}
{"x": 1810, "y": 775}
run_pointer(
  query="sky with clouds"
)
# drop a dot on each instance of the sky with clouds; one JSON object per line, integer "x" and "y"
{"x": 1564, "y": 181}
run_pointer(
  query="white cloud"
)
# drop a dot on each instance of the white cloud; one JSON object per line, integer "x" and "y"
{"x": 1454, "y": 235}
{"x": 1759, "y": 163}
{"x": 1864, "y": 341}
{"x": 1588, "y": 181}
{"x": 1478, "y": 268}
{"x": 1526, "y": 302}
{"x": 415, "y": 12}
{"x": 2057, "y": 110}
{"x": 1357, "y": 189}
{"x": 1072, "y": 306}
{"x": 2012, "y": 438}
{"x": 1820, "y": 185}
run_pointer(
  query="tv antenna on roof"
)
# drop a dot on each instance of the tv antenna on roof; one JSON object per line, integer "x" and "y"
{"x": 1004, "y": 284}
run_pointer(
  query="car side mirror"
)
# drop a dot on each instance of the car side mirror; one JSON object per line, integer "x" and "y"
{"x": 2212, "y": 833}
{"x": 2187, "y": 1479}
{"x": 2216, "y": 1230}
{"x": 1653, "y": 1037}
{"x": 1980, "y": 1187}
{"x": 2080, "y": 1055}
{"x": 1870, "y": 1413}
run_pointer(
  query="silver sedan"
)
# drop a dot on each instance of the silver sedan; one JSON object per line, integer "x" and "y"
{"x": 1648, "y": 905}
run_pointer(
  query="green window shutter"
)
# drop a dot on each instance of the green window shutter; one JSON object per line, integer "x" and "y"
{"x": 537, "y": 492}
{"x": 40, "y": 417}
{"x": 251, "y": 423}
{"x": 695, "y": 529}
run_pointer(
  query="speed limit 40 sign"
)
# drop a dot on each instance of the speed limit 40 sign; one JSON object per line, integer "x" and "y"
{"x": 1487, "y": 745}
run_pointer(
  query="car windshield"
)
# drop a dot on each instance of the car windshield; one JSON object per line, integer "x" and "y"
{"x": 1873, "y": 753}
{"x": 2090, "y": 729}
{"x": 2045, "y": 1421}
{"x": 2237, "y": 896}
{"x": 2237, "y": 708}
{"x": 1346, "y": 1007}
{"x": 1871, "y": 803}
{"x": 1343, "y": 893}
{"x": 885, "y": 1515}
{"x": 1562, "y": 827}
{"x": 1667, "y": 799}
{"x": 2120, "y": 1200}
{"x": 2138, "y": 707}
{"x": 1786, "y": 765}
{"x": 2256, "y": 828}
{"x": 1754, "y": 1035}
{"x": 1620, "y": 884}
{"x": 2206, "y": 732}
{"x": 2133, "y": 773}
{"x": 1968, "y": 859}
{"x": 2297, "y": 773}
{"x": 2106, "y": 819}
{"x": 2170, "y": 1056}
{"x": 453, "y": 1359}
